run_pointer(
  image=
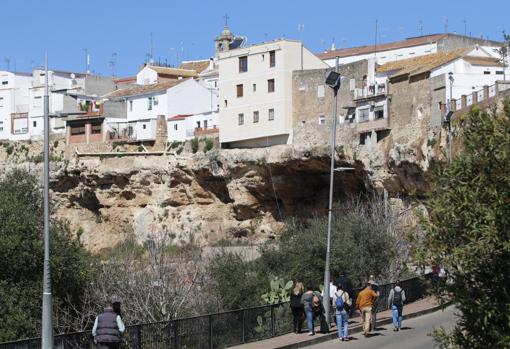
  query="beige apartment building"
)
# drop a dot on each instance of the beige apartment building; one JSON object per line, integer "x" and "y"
{"x": 255, "y": 92}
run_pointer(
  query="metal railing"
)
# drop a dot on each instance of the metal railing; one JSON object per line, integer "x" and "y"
{"x": 211, "y": 331}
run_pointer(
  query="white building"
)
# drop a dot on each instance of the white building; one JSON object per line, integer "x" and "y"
{"x": 14, "y": 92}
{"x": 255, "y": 92}
{"x": 408, "y": 48}
{"x": 183, "y": 127}
{"x": 146, "y": 102}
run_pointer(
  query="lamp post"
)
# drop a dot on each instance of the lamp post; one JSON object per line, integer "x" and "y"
{"x": 448, "y": 117}
{"x": 333, "y": 81}
{"x": 47, "y": 327}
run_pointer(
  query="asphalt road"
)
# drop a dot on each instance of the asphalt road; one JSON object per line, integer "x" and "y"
{"x": 414, "y": 334}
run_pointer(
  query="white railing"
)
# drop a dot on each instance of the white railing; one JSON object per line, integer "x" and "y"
{"x": 370, "y": 91}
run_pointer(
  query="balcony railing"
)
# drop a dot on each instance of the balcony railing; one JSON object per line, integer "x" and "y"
{"x": 200, "y": 131}
{"x": 369, "y": 91}
{"x": 378, "y": 124}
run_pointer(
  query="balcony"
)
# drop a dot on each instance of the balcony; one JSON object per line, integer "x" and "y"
{"x": 373, "y": 125}
{"x": 370, "y": 91}
{"x": 200, "y": 131}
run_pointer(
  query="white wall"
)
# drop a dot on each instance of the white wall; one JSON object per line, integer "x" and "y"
{"x": 190, "y": 97}
{"x": 185, "y": 128}
{"x": 140, "y": 110}
{"x": 146, "y": 76}
{"x": 14, "y": 95}
{"x": 389, "y": 55}
{"x": 288, "y": 58}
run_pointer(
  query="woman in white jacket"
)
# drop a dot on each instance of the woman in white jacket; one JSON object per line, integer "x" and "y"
{"x": 342, "y": 303}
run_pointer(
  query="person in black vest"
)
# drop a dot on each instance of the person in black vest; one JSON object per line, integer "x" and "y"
{"x": 108, "y": 326}
{"x": 396, "y": 301}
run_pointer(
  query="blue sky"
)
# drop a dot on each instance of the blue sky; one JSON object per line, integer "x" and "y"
{"x": 186, "y": 29}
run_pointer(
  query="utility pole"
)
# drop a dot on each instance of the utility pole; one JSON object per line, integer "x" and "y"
{"x": 450, "y": 78}
{"x": 47, "y": 326}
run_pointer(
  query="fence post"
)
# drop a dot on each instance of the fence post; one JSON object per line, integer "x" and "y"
{"x": 210, "y": 333}
{"x": 273, "y": 325}
{"x": 176, "y": 334}
{"x": 138, "y": 337}
{"x": 242, "y": 324}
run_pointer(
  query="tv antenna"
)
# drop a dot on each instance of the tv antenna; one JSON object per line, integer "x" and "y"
{"x": 113, "y": 62}
{"x": 7, "y": 63}
{"x": 420, "y": 27}
{"x": 445, "y": 22}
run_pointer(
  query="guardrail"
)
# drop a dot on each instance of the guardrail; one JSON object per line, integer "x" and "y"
{"x": 211, "y": 331}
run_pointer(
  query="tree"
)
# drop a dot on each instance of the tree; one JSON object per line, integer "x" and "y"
{"x": 468, "y": 233}
{"x": 21, "y": 248}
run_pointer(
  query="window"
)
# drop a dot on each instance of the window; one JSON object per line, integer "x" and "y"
{"x": 499, "y": 72}
{"x": 34, "y": 123}
{"x": 322, "y": 120}
{"x": 95, "y": 129}
{"x": 272, "y": 59}
{"x": 198, "y": 124}
{"x": 78, "y": 129}
{"x": 5, "y": 82}
{"x": 363, "y": 115}
{"x": 270, "y": 85}
{"x": 254, "y": 87}
{"x": 320, "y": 91}
{"x": 240, "y": 119}
{"x": 379, "y": 112}
{"x": 150, "y": 102}
{"x": 175, "y": 127}
{"x": 363, "y": 137}
{"x": 37, "y": 102}
{"x": 1, "y": 101}
{"x": 255, "y": 116}
{"x": 487, "y": 72}
{"x": 144, "y": 126}
{"x": 239, "y": 90}
{"x": 243, "y": 64}
{"x": 270, "y": 114}
{"x": 130, "y": 105}
{"x": 226, "y": 103}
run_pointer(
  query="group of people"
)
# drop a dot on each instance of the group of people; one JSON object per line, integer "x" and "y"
{"x": 309, "y": 305}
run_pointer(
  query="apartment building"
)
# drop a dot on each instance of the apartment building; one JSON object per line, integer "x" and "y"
{"x": 255, "y": 92}
{"x": 14, "y": 99}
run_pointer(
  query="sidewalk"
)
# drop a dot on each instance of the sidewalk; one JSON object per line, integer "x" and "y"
{"x": 301, "y": 340}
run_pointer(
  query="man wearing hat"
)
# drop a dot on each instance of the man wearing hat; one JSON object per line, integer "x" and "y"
{"x": 108, "y": 326}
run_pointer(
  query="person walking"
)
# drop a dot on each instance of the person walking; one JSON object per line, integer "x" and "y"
{"x": 396, "y": 300}
{"x": 375, "y": 288}
{"x": 308, "y": 299}
{"x": 342, "y": 303}
{"x": 297, "y": 307}
{"x": 346, "y": 283}
{"x": 364, "y": 302}
{"x": 108, "y": 326}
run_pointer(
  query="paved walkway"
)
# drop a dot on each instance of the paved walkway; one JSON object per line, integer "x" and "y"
{"x": 301, "y": 340}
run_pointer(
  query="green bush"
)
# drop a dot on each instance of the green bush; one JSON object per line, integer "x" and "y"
{"x": 468, "y": 234}
{"x": 21, "y": 224}
{"x": 194, "y": 145}
{"x": 175, "y": 144}
{"x": 209, "y": 144}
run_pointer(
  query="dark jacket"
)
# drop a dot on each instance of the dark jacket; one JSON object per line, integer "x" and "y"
{"x": 346, "y": 284}
{"x": 107, "y": 330}
{"x": 295, "y": 300}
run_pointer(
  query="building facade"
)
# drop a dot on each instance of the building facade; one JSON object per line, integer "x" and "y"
{"x": 14, "y": 101}
{"x": 255, "y": 92}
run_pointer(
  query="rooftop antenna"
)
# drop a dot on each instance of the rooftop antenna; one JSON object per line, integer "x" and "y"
{"x": 113, "y": 62}
{"x": 333, "y": 46}
{"x": 87, "y": 61}
{"x": 465, "y": 27}
{"x": 445, "y": 22}
{"x": 420, "y": 27}
{"x": 152, "y": 51}
{"x": 7, "y": 63}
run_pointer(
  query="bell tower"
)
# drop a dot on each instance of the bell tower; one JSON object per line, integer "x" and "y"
{"x": 222, "y": 41}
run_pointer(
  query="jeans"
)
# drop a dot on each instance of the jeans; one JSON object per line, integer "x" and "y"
{"x": 342, "y": 322}
{"x": 309, "y": 319}
{"x": 396, "y": 313}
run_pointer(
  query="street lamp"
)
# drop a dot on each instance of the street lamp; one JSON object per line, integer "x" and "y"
{"x": 448, "y": 117}
{"x": 332, "y": 80}
{"x": 47, "y": 326}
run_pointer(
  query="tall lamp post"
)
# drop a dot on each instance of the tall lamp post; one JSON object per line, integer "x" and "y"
{"x": 448, "y": 117}
{"x": 333, "y": 81}
{"x": 47, "y": 326}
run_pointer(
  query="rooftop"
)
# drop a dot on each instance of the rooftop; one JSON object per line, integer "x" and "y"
{"x": 198, "y": 66}
{"x": 185, "y": 73}
{"x": 179, "y": 117}
{"x": 144, "y": 89}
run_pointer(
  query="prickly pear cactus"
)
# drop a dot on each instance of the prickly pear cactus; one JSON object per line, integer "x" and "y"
{"x": 279, "y": 291}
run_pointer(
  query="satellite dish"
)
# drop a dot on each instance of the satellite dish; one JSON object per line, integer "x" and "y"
{"x": 73, "y": 75}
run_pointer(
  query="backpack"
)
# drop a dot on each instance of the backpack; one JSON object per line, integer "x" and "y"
{"x": 340, "y": 302}
{"x": 397, "y": 297}
{"x": 316, "y": 301}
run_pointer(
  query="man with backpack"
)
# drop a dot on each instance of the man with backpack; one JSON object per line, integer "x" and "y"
{"x": 342, "y": 303}
{"x": 396, "y": 301}
{"x": 312, "y": 304}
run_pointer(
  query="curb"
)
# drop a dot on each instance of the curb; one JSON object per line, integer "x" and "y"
{"x": 357, "y": 329}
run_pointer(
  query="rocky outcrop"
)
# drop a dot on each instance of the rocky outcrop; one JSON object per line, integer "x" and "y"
{"x": 232, "y": 194}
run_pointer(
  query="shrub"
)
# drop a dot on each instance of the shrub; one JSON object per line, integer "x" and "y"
{"x": 209, "y": 144}
{"x": 194, "y": 145}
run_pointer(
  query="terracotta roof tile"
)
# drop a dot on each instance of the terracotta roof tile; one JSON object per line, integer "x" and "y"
{"x": 178, "y": 117}
{"x": 421, "y": 64}
{"x": 355, "y": 51}
{"x": 144, "y": 89}
{"x": 484, "y": 61}
{"x": 198, "y": 66}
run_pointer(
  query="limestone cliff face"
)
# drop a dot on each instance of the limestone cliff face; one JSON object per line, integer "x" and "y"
{"x": 223, "y": 194}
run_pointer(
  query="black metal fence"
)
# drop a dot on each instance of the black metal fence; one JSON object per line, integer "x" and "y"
{"x": 211, "y": 331}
